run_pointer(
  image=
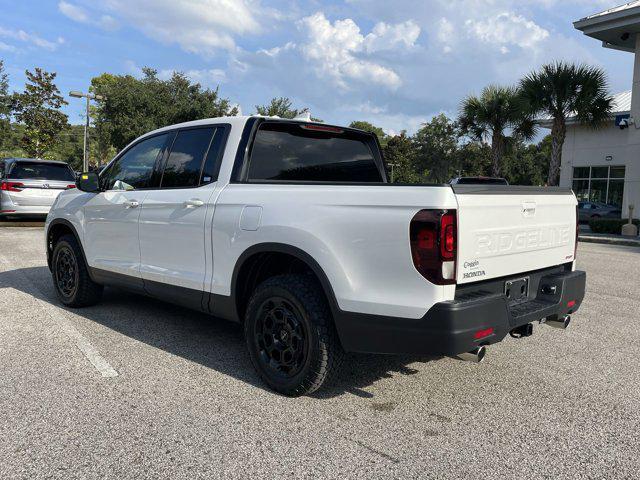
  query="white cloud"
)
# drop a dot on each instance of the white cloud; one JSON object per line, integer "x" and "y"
{"x": 385, "y": 36}
{"x": 391, "y": 122}
{"x": 335, "y": 51}
{"x": 207, "y": 77}
{"x": 507, "y": 28}
{"x": 74, "y": 12}
{"x": 445, "y": 34}
{"x": 5, "y": 47}
{"x": 107, "y": 22}
{"x": 81, "y": 15}
{"x": 198, "y": 26}
{"x": 29, "y": 38}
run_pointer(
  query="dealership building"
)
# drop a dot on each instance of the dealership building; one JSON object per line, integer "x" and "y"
{"x": 604, "y": 164}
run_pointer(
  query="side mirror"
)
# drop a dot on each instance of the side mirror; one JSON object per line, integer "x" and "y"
{"x": 88, "y": 182}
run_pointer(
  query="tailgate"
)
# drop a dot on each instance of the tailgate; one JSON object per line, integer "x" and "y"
{"x": 506, "y": 230}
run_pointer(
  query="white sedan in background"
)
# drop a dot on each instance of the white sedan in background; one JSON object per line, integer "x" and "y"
{"x": 28, "y": 187}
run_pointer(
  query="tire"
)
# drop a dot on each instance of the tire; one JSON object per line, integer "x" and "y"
{"x": 595, "y": 217}
{"x": 290, "y": 335}
{"x": 71, "y": 275}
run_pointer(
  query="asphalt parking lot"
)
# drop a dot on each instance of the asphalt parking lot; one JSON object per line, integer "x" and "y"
{"x": 134, "y": 388}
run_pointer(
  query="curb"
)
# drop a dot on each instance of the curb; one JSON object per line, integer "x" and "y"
{"x": 629, "y": 242}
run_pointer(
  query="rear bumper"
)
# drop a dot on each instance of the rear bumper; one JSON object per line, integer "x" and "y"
{"x": 449, "y": 328}
{"x": 16, "y": 207}
{"x": 12, "y": 210}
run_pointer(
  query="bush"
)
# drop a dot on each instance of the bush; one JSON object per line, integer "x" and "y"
{"x": 609, "y": 225}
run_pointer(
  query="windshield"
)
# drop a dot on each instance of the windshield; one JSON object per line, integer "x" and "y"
{"x": 41, "y": 171}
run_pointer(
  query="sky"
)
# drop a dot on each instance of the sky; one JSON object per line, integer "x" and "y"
{"x": 395, "y": 63}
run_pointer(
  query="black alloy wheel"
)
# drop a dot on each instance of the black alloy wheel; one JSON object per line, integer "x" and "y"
{"x": 290, "y": 334}
{"x": 70, "y": 274}
{"x": 66, "y": 272}
{"x": 280, "y": 337}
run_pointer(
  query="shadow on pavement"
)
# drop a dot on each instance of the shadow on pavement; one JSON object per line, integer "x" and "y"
{"x": 201, "y": 338}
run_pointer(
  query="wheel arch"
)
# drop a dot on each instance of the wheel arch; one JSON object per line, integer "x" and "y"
{"x": 56, "y": 229}
{"x": 255, "y": 253}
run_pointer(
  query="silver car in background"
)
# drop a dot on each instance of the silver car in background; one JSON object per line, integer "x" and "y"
{"x": 589, "y": 210}
{"x": 28, "y": 187}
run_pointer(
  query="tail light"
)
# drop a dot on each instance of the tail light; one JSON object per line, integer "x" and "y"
{"x": 11, "y": 186}
{"x": 72, "y": 185}
{"x": 433, "y": 237}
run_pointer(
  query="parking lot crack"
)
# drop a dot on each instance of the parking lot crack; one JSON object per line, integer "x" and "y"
{"x": 375, "y": 451}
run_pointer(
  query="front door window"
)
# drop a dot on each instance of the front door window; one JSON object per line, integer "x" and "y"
{"x": 133, "y": 170}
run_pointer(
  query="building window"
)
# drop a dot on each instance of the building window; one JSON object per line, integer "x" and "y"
{"x": 599, "y": 184}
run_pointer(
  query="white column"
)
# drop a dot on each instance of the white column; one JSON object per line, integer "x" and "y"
{"x": 635, "y": 93}
{"x": 632, "y": 153}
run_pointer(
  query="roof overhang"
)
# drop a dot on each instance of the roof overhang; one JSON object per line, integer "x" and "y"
{"x": 548, "y": 123}
{"x": 616, "y": 28}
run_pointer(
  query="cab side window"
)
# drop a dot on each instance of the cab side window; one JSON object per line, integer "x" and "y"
{"x": 195, "y": 157}
{"x": 212, "y": 162}
{"x": 134, "y": 169}
{"x": 184, "y": 164}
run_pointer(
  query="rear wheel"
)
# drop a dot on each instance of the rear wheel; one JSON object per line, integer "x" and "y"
{"x": 71, "y": 275}
{"x": 290, "y": 335}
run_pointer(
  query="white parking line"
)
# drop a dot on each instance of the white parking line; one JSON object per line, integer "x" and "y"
{"x": 59, "y": 316}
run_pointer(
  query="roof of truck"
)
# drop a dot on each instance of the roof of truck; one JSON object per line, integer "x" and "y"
{"x": 239, "y": 120}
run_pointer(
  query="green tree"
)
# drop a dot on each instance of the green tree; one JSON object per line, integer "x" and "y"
{"x": 383, "y": 138}
{"x": 69, "y": 146}
{"x": 497, "y": 112}
{"x": 133, "y": 106}
{"x": 278, "y": 107}
{"x": 400, "y": 153}
{"x": 282, "y": 107}
{"x": 436, "y": 145}
{"x": 561, "y": 90}
{"x": 528, "y": 164}
{"x": 38, "y": 109}
{"x": 6, "y": 107}
{"x": 472, "y": 159}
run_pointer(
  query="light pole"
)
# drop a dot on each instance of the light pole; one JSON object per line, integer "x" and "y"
{"x": 393, "y": 165}
{"x": 89, "y": 97}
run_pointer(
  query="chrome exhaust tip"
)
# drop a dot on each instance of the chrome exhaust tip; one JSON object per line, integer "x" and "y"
{"x": 476, "y": 355}
{"x": 559, "y": 322}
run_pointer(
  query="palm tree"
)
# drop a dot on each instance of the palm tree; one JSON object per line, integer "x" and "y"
{"x": 498, "y": 112}
{"x": 560, "y": 91}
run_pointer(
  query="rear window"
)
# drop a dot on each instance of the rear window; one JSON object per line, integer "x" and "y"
{"x": 41, "y": 171}
{"x": 307, "y": 152}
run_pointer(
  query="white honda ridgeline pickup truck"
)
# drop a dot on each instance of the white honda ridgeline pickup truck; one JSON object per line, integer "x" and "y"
{"x": 292, "y": 229}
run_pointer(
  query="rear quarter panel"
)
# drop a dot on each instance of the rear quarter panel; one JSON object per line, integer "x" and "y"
{"x": 359, "y": 235}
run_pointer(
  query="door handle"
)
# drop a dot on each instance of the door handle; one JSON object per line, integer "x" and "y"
{"x": 131, "y": 204}
{"x": 194, "y": 202}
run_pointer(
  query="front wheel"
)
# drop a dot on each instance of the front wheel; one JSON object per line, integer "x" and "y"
{"x": 290, "y": 335}
{"x": 71, "y": 275}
